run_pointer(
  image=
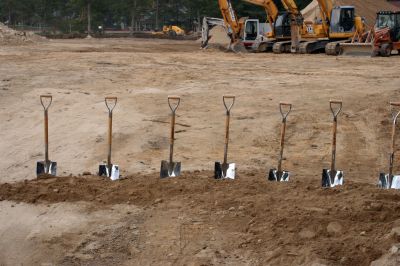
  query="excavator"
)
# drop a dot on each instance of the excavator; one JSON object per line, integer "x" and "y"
{"x": 245, "y": 32}
{"x": 265, "y": 43}
{"x": 338, "y": 25}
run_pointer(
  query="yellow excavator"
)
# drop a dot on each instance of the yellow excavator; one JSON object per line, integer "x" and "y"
{"x": 245, "y": 32}
{"x": 339, "y": 24}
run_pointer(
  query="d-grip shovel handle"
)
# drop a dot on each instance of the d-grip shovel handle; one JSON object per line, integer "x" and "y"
{"x": 110, "y": 102}
{"x": 285, "y": 114}
{"x": 46, "y": 106}
{"x": 110, "y": 105}
{"x": 395, "y": 115}
{"x": 46, "y": 124}
{"x": 228, "y": 107}
{"x": 336, "y": 112}
{"x": 227, "y": 122}
{"x": 283, "y": 130}
{"x": 173, "y": 108}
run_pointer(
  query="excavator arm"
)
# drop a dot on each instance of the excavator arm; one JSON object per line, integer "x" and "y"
{"x": 270, "y": 8}
{"x": 326, "y": 7}
{"x": 296, "y": 23}
{"x": 230, "y": 18}
{"x": 231, "y": 23}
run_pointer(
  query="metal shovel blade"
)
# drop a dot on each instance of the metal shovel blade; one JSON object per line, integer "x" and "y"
{"x": 224, "y": 170}
{"x": 332, "y": 179}
{"x": 384, "y": 181}
{"x": 105, "y": 171}
{"x": 274, "y": 175}
{"x": 168, "y": 169}
{"x": 43, "y": 169}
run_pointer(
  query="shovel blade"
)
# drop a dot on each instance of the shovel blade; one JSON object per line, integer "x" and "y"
{"x": 332, "y": 179}
{"x": 274, "y": 175}
{"x": 112, "y": 173}
{"x": 224, "y": 170}
{"x": 46, "y": 169}
{"x": 168, "y": 169}
{"x": 384, "y": 181}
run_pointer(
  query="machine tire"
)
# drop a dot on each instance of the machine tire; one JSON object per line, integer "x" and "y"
{"x": 386, "y": 50}
{"x": 172, "y": 33}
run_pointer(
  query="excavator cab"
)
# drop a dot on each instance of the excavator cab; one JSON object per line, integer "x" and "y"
{"x": 387, "y": 33}
{"x": 342, "y": 21}
{"x": 251, "y": 29}
{"x": 282, "y": 26}
{"x": 391, "y": 20}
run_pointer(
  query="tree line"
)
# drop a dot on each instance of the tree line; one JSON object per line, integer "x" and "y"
{"x": 72, "y": 15}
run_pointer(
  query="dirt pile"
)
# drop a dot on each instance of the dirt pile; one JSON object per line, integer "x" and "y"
{"x": 364, "y": 8}
{"x": 12, "y": 37}
{"x": 248, "y": 219}
{"x": 219, "y": 39}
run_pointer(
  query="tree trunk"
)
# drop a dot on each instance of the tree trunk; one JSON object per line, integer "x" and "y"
{"x": 89, "y": 26}
{"x": 156, "y": 23}
{"x": 133, "y": 14}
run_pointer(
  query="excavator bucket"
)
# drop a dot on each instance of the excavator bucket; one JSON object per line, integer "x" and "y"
{"x": 356, "y": 49}
{"x": 238, "y": 47}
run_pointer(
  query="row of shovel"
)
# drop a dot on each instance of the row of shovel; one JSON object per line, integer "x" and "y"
{"x": 330, "y": 177}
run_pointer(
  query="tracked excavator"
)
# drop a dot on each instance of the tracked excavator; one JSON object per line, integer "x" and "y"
{"x": 277, "y": 22}
{"x": 339, "y": 23}
{"x": 245, "y": 32}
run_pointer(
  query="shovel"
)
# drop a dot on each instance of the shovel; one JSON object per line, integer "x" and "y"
{"x": 226, "y": 170}
{"x": 109, "y": 170}
{"x": 171, "y": 168}
{"x": 46, "y": 167}
{"x": 332, "y": 177}
{"x": 389, "y": 180}
{"x": 278, "y": 174}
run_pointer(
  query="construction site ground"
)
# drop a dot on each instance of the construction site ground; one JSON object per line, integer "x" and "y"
{"x": 81, "y": 219}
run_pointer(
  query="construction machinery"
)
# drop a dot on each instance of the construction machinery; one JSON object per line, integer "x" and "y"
{"x": 173, "y": 30}
{"x": 381, "y": 40}
{"x": 245, "y": 32}
{"x": 338, "y": 25}
{"x": 291, "y": 26}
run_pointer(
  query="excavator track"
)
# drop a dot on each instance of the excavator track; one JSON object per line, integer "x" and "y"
{"x": 333, "y": 48}
{"x": 311, "y": 47}
{"x": 281, "y": 47}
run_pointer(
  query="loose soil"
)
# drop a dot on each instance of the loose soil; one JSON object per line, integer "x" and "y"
{"x": 197, "y": 220}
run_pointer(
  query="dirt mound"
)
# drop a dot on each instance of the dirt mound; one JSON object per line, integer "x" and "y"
{"x": 12, "y": 37}
{"x": 364, "y": 8}
{"x": 219, "y": 39}
{"x": 281, "y": 224}
{"x": 368, "y": 8}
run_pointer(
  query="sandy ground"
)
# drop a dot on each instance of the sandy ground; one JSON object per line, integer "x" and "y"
{"x": 80, "y": 73}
